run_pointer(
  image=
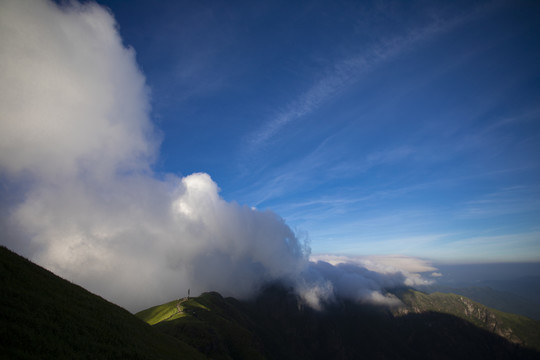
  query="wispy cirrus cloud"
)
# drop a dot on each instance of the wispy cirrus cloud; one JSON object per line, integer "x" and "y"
{"x": 327, "y": 163}
{"x": 527, "y": 116}
{"x": 492, "y": 248}
{"x": 505, "y": 201}
{"x": 346, "y": 72}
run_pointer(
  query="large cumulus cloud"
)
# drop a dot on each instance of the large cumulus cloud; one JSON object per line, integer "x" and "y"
{"x": 79, "y": 195}
{"x": 75, "y": 129}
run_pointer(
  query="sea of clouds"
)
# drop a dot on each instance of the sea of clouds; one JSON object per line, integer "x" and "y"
{"x": 79, "y": 195}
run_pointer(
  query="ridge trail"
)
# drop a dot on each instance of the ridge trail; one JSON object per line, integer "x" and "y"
{"x": 178, "y": 308}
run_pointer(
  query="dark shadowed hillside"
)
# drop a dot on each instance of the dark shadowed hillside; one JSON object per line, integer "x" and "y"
{"x": 276, "y": 326}
{"x": 45, "y": 317}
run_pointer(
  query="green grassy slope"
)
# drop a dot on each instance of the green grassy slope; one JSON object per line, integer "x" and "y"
{"x": 210, "y": 323}
{"x": 166, "y": 312}
{"x": 516, "y": 328}
{"x": 45, "y": 317}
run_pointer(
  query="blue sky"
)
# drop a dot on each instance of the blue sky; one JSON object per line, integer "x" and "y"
{"x": 378, "y": 127}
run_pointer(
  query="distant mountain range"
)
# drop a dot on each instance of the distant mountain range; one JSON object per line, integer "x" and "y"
{"x": 43, "y": 316}
{"x": 501, "y": 300}
{"x": 515, "y": 328}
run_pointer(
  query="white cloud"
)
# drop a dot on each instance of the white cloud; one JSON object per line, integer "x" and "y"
{"x": 347, "y": 278}
{"x": 75, "y": 129}
{"x": 75, "y": 132}
{"x": 409, "y": 267}
{"x": 73, "y": 99}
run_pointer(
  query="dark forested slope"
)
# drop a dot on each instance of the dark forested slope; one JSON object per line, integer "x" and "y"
{"x": 45, "y": 317}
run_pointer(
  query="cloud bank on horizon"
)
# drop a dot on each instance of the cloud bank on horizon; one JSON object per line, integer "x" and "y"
{"x": 80, "y": 196}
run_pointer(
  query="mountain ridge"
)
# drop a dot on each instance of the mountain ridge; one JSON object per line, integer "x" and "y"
{"x": 515, "y": 328}
{"x": 505, "y": 301}
{"x": 44, "y": 316}
{"x": 275, "y": 325}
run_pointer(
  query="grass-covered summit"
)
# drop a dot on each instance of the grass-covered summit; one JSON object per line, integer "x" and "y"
{"x": 221, "y": 328}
